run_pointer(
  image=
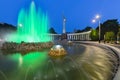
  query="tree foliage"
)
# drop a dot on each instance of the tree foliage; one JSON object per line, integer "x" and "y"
{"x": 6, "y": 29}
{"x": 94, "y": 35}
{"x": 109, "y": 25}
{"x": 118, "y": 34}
{"x": 88, "y": 28}
{"x": 109, "y": 36}
{"x": 52, "y": 31}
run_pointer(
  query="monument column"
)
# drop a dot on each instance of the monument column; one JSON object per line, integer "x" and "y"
{"x": 64, "y": 25}
{"x": 64, "y": 34}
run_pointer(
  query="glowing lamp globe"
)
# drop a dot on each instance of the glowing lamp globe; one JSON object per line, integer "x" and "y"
{"x": 57, "y": 51}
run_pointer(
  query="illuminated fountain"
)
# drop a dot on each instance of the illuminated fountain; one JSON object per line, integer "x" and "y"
{"x": 31, "y": 32}
{"x": 32, "y": 26}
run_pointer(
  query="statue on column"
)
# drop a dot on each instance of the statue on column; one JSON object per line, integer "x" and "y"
{"x": 64, "y": 34}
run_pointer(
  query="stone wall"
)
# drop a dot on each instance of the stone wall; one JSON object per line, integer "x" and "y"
{"x": 25, "y": 47}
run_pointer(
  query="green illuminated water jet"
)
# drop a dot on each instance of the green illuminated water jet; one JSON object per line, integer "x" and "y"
{"x": 32, "y": 26}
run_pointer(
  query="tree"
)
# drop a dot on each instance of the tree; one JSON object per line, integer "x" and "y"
{"x": 78, "y": 31}
{"x": 88, "y": 28}
{"x": 52, "y": 31}
{"x": 94, "y": 35}
{"x": 6, "y": 29}
{"x": 118, "y": 35}
{"x": 109, "y": 36}
{"x": 109, "y": 25}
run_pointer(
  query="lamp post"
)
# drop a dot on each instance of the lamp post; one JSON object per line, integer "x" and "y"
{"x": 97, "y": 17}
{"x": 99, "y": 32}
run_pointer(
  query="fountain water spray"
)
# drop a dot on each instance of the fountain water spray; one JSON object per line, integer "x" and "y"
{"x": 32, "y": 26}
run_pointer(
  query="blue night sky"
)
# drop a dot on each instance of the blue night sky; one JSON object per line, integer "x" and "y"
{"x": 79, "y": 13}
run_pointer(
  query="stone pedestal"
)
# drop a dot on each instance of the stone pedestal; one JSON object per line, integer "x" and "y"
{"x": 63, "y": 36}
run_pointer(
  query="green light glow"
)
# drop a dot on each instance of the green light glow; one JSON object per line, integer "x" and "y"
{"x": 34, "y": 58}
{"x": 32, "y": 26}
{"x": 27, "y": 64}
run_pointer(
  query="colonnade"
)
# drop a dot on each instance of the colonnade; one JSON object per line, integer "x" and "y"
{"x": 79, "y": 36}
{"x": 84, "y": 36}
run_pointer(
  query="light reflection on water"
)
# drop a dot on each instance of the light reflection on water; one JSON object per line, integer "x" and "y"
{"x": 39, "y": 66}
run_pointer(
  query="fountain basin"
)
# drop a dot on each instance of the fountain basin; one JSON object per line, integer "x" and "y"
{"x": 24, "y": 47}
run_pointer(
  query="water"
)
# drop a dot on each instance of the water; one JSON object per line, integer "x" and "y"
{"x": 32, "y": 26}
{"x": 77, "y": 65}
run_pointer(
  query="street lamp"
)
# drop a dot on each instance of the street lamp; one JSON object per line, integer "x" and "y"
{"x": 97, "y": 17}
{"x": 93, "y": 20}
